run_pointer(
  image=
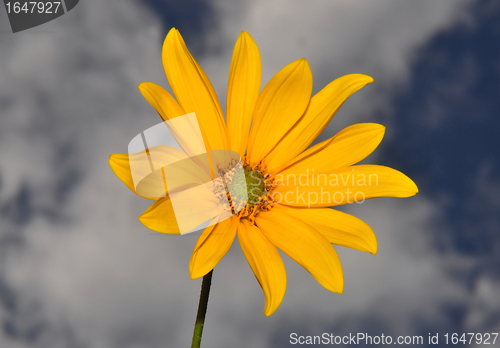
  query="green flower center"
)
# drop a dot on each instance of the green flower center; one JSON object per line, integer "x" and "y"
{"x": 254, "y": 186}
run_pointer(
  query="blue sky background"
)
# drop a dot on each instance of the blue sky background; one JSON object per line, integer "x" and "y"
{"x": 77, "y": 269}
{"x": 449, "y": 130}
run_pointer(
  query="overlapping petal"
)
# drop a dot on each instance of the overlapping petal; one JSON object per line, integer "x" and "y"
{"x": 343, "y": 186}
{"x": 193, "y": 89}
{"x": 184, "y": 211}
{"x": 304, "y": 245}
{"x": 321, "y": 109}
{"x": 279, "y": 106}
{"x": 166, "y": 106}
{"x": 242, "y": 91}
{"x": 266, "y": 264}
{"x": 348, "y": 147}
{"x": 120, "y": 164}
{"x": 338, "y": 227}
{"x": 213, "y": 244}
{"x": 160, "y": 217}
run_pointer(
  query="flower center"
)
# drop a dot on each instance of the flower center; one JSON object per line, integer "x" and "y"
{"x": 255, "y": 185}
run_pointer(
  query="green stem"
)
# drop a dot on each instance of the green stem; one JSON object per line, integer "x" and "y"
{"x": 202, "y": 310}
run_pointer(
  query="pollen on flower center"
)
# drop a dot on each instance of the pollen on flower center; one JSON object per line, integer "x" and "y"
{"x": 250, "y": 193}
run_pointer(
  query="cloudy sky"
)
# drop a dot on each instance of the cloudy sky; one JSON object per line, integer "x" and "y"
{"x": 77, "y": 269}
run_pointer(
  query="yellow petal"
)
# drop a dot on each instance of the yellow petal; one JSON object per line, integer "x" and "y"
{"x": 182, "y": 212}
{"x": 321, "y": 109}
{"x": 338, "y": 227}
{"x": 242, "y": 91}
{"x": 183, "y": 172}
{"x": 348, "y": 147}
{"x": 279, "y": 106}
{"x": 304, "y": 245}
{"x": 160, "y": 217}
{"x": 187, "y": 131}
{"x": 343, "y": 186}
{"x": 119, "y": 163}
{"x": 161, "y": 100}
{"x": 193, "y": 89}
{"x": 266, "y": 264}
{"x": 213, "y": 244}
{"x": 305, "y": 154}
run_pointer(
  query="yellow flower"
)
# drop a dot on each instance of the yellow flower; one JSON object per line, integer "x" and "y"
{"x": 271, "y": 130}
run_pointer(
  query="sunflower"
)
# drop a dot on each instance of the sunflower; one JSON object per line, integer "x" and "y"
{"x": 291, "y": 186}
